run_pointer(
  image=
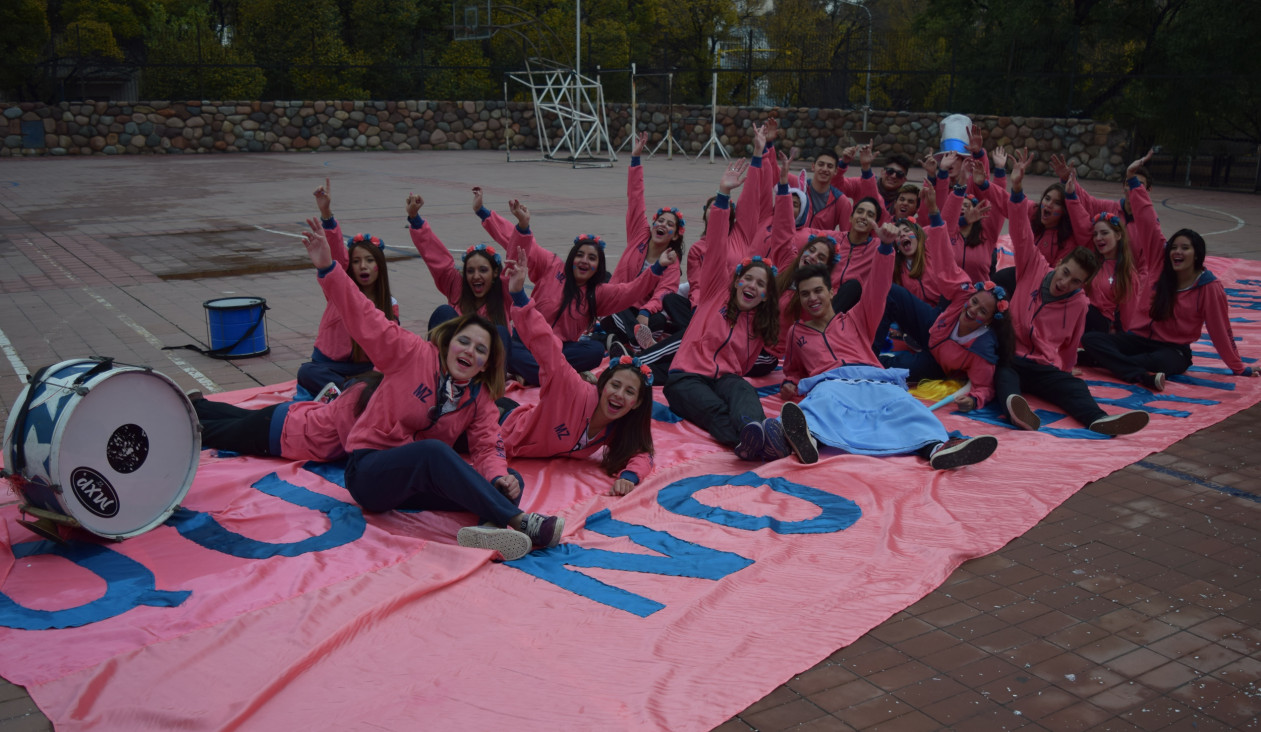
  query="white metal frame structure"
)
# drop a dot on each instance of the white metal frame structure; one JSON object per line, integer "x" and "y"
{"x": 561, "y": 93}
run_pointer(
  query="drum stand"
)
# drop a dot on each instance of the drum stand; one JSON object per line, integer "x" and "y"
{"x": 47, "y": 523}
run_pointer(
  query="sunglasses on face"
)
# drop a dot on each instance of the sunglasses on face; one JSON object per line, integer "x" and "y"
{"x": 895, "y": 173}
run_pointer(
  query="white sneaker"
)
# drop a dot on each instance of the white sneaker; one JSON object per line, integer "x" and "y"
{"x": 510, "y": 543}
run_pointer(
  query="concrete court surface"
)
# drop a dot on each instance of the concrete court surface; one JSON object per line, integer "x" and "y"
{"x": 1132, "y": 606}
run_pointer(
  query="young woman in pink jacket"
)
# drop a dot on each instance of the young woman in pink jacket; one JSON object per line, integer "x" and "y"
{"x": 738, "y": 314}
{"x": 432, "y": 392}
{"x": 336, "y": 357}
{"x": 970, "y": 334}
{"x": 1048, "y": 314}
{"x": 1183, "y": 300}
{"x": 646, "y": 241}
{"x": 572, "y": 417}
{"x": 477, "y": 287}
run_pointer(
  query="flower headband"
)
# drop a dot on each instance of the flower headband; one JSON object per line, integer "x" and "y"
{"x": 836, "y": 248}
{"x": 755, "y": 259}
{"x": 1000, "y": 297}
{"x": 633, "y": 363}
{"x": 485, "y": 250}
{"x": 1110, "y": 219}
{"x": 677, "y": 217}
{"x": 588, "y": 239}
{"x": 365, "y": 238}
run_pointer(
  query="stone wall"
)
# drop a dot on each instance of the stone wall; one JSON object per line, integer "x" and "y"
{"x": 1099, "y": 150}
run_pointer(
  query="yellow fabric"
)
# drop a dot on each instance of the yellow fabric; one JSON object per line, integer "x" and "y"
{"x": 935, "y": 390}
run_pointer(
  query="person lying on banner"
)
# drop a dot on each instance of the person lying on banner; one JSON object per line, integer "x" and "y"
{"x": 432, "y": 392}
{"x": 574, "y": 418}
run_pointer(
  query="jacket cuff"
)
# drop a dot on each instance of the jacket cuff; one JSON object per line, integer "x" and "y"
{"x": 936, "y": 220}
{"x": 520, "y": 299}
{"x": 325, "y": 270}
{"x": 416, "y": 221}
{"x": 329, "y": 223}
{"x": 483, "y": 213}
{"x": 629, "y": 475}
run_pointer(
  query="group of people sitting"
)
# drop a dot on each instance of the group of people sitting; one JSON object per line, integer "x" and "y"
{"x": 816, "y": 275}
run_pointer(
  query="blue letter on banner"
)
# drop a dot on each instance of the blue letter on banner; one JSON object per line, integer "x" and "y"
{"x": 682, "y": 559}
{"x": 346, "y": 524}
{"x": 128, "y": 584}
{"x": 837, "y": 514}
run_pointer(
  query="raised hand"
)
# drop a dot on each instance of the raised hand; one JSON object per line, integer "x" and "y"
{"x": 324, "y": 199}
{"x": 521, "y": 212}
{"x": 1021, "y": 158}
{"x": 516, "y": 276}
{"x": 977, "y": 212}
{"x": 929, "y": 164}
{"x": 772, "y": 129}
{"x": 865, "y": 156}
{"x": 1070, "y": 185}
{"x": 733, "y": 176}
{"x": 316, "y": 245}
{"x": 975, "y": 143}
{"x": 949, "y": 161}
{"x": 999, "y": 156}
{"x": 847, "y": 155}
{"x": 477, "y": 199}
{"x": 668, "y": 257}
{"x": 759, "y": 139}
{"x": 1132, "y": 171}
{"x": 929, "y": 192}
{"x": 1060, "y": 166}
{"x": 641, "y": 142}
{"x": 414, "y": 202}
{"x": 977, "y": 169}
{"x": 888, "y": 232}
{"x": 785, "y": 164}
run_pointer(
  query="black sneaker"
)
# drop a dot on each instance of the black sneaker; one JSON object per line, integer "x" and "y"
{"x": 1021, "y": 414}
{"x": 797, "y": 431}
{"x": 752, "y": 442}
{"x": 957, "y": 452}
{"x": 544, "y": 531}
{"x": 1125, "y": 423}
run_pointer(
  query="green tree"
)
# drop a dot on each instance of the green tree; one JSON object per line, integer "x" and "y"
{"x": 301, "y": 50}
{"x": 470, "y": 82}
{"x": 187, "y": 58}
{"x": 24, "y": 32}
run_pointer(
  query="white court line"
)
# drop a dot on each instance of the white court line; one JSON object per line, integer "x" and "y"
{"x": 1239, "y": 223}
{"x": 12, "y": 355}
{"x": 143, "y": 332}
{"x": 273, "y": 231}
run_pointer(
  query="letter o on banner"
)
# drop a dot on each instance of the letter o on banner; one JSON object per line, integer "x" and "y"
{"x": 837, "y": 514}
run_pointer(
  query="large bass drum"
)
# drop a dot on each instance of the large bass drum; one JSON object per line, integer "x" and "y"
{"x": 108, "y": 447}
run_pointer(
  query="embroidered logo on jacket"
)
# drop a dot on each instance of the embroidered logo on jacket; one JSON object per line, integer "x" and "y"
{"x": 423, "y": 392}
{"x": 561, "y": 430}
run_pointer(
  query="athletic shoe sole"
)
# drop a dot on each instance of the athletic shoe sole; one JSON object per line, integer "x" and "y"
{"x": 1126, "y": 423}
{"x": 510, "y": 543}
{"x": 752, "y": 442}
{"x": 643, "y": 335}
{"x": 776, "y": 446}
{"x": 968, "y": 452}
{"x": 798, "y": 433}
{"x": 1021, "y": 414}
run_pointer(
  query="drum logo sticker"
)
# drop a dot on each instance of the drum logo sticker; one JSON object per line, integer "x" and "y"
{"x": 127, "y": 448}
{"x": 94, "y": 492}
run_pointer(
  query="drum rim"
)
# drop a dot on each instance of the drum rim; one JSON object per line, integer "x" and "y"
{"x": 253, "y": 302}
{"x": 54, "y": 455}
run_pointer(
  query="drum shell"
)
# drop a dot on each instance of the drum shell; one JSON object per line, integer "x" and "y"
{"x": 229, "y": 320}
{"x": 117, "y": 453}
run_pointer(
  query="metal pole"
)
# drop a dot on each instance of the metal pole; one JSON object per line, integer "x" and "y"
{"x": 713, "y": 118}
{"x": 670, "y": 117}
{"x": 867, "y": 106}
{"x": 578, "y": 37}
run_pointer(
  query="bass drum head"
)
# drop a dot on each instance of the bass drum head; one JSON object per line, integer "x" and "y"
{"x": 126, "y": 453}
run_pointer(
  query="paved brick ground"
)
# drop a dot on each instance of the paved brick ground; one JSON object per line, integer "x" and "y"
{"x": 1132, "y": 606}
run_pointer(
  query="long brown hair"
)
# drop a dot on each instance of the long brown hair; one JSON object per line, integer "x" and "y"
{"x": 496, "y": 308}
{"x": 491, "y": 377}
{"x": 1125, "y": 261}
{"x": 629, "y": 435}
{"x": 785, "y": 279}
{"x": 379, "y": 291}
{"x": 766, "y": 314}
{"x": 919, "y": 260}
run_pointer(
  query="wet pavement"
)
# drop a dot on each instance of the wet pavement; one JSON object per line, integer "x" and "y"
{"x": 1132, "y": 606}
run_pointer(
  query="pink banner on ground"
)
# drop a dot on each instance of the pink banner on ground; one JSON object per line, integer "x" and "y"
{"x": 272, "y": 602}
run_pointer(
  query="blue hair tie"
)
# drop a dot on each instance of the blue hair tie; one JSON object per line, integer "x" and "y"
{"x": 755, "y": 259}
{"x": 367, "y": 238}
{"x": 485, "y": 250}
{"x": 677, "y": 217}
{"x": 588, "y": 239}
{"x": 635, "y": 363}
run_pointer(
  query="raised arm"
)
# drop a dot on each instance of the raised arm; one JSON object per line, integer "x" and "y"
{"x": 499, "y": 229}
{"x": 439, "y": 261}
{"x": 637, "y": 227}
{"x": 332, "y": 230}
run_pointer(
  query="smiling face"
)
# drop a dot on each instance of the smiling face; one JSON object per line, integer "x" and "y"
{"x": 750, "y": 287}
{"x": 1105, "y": 239}
{"x": 1067, "y": 276}
{"x": 824, "y": 170}
{"x": 815, "y": 297}
{"x": 892, "y": 177}
{"x": 468, "y": 352}
{"x": 621, "y": 393}
{"x": 863, "y": 220}
{"x": 1181, "y": 255}
{"x": 586, "y": 263}
{"x": 363, "y": 267}
{"x": 817, "y": 252}
{"x": 664, "y": 227}
{"x": 1051, "y": 208}
{"x": 479, "y": 274}
{"x": 981, "y": 307}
